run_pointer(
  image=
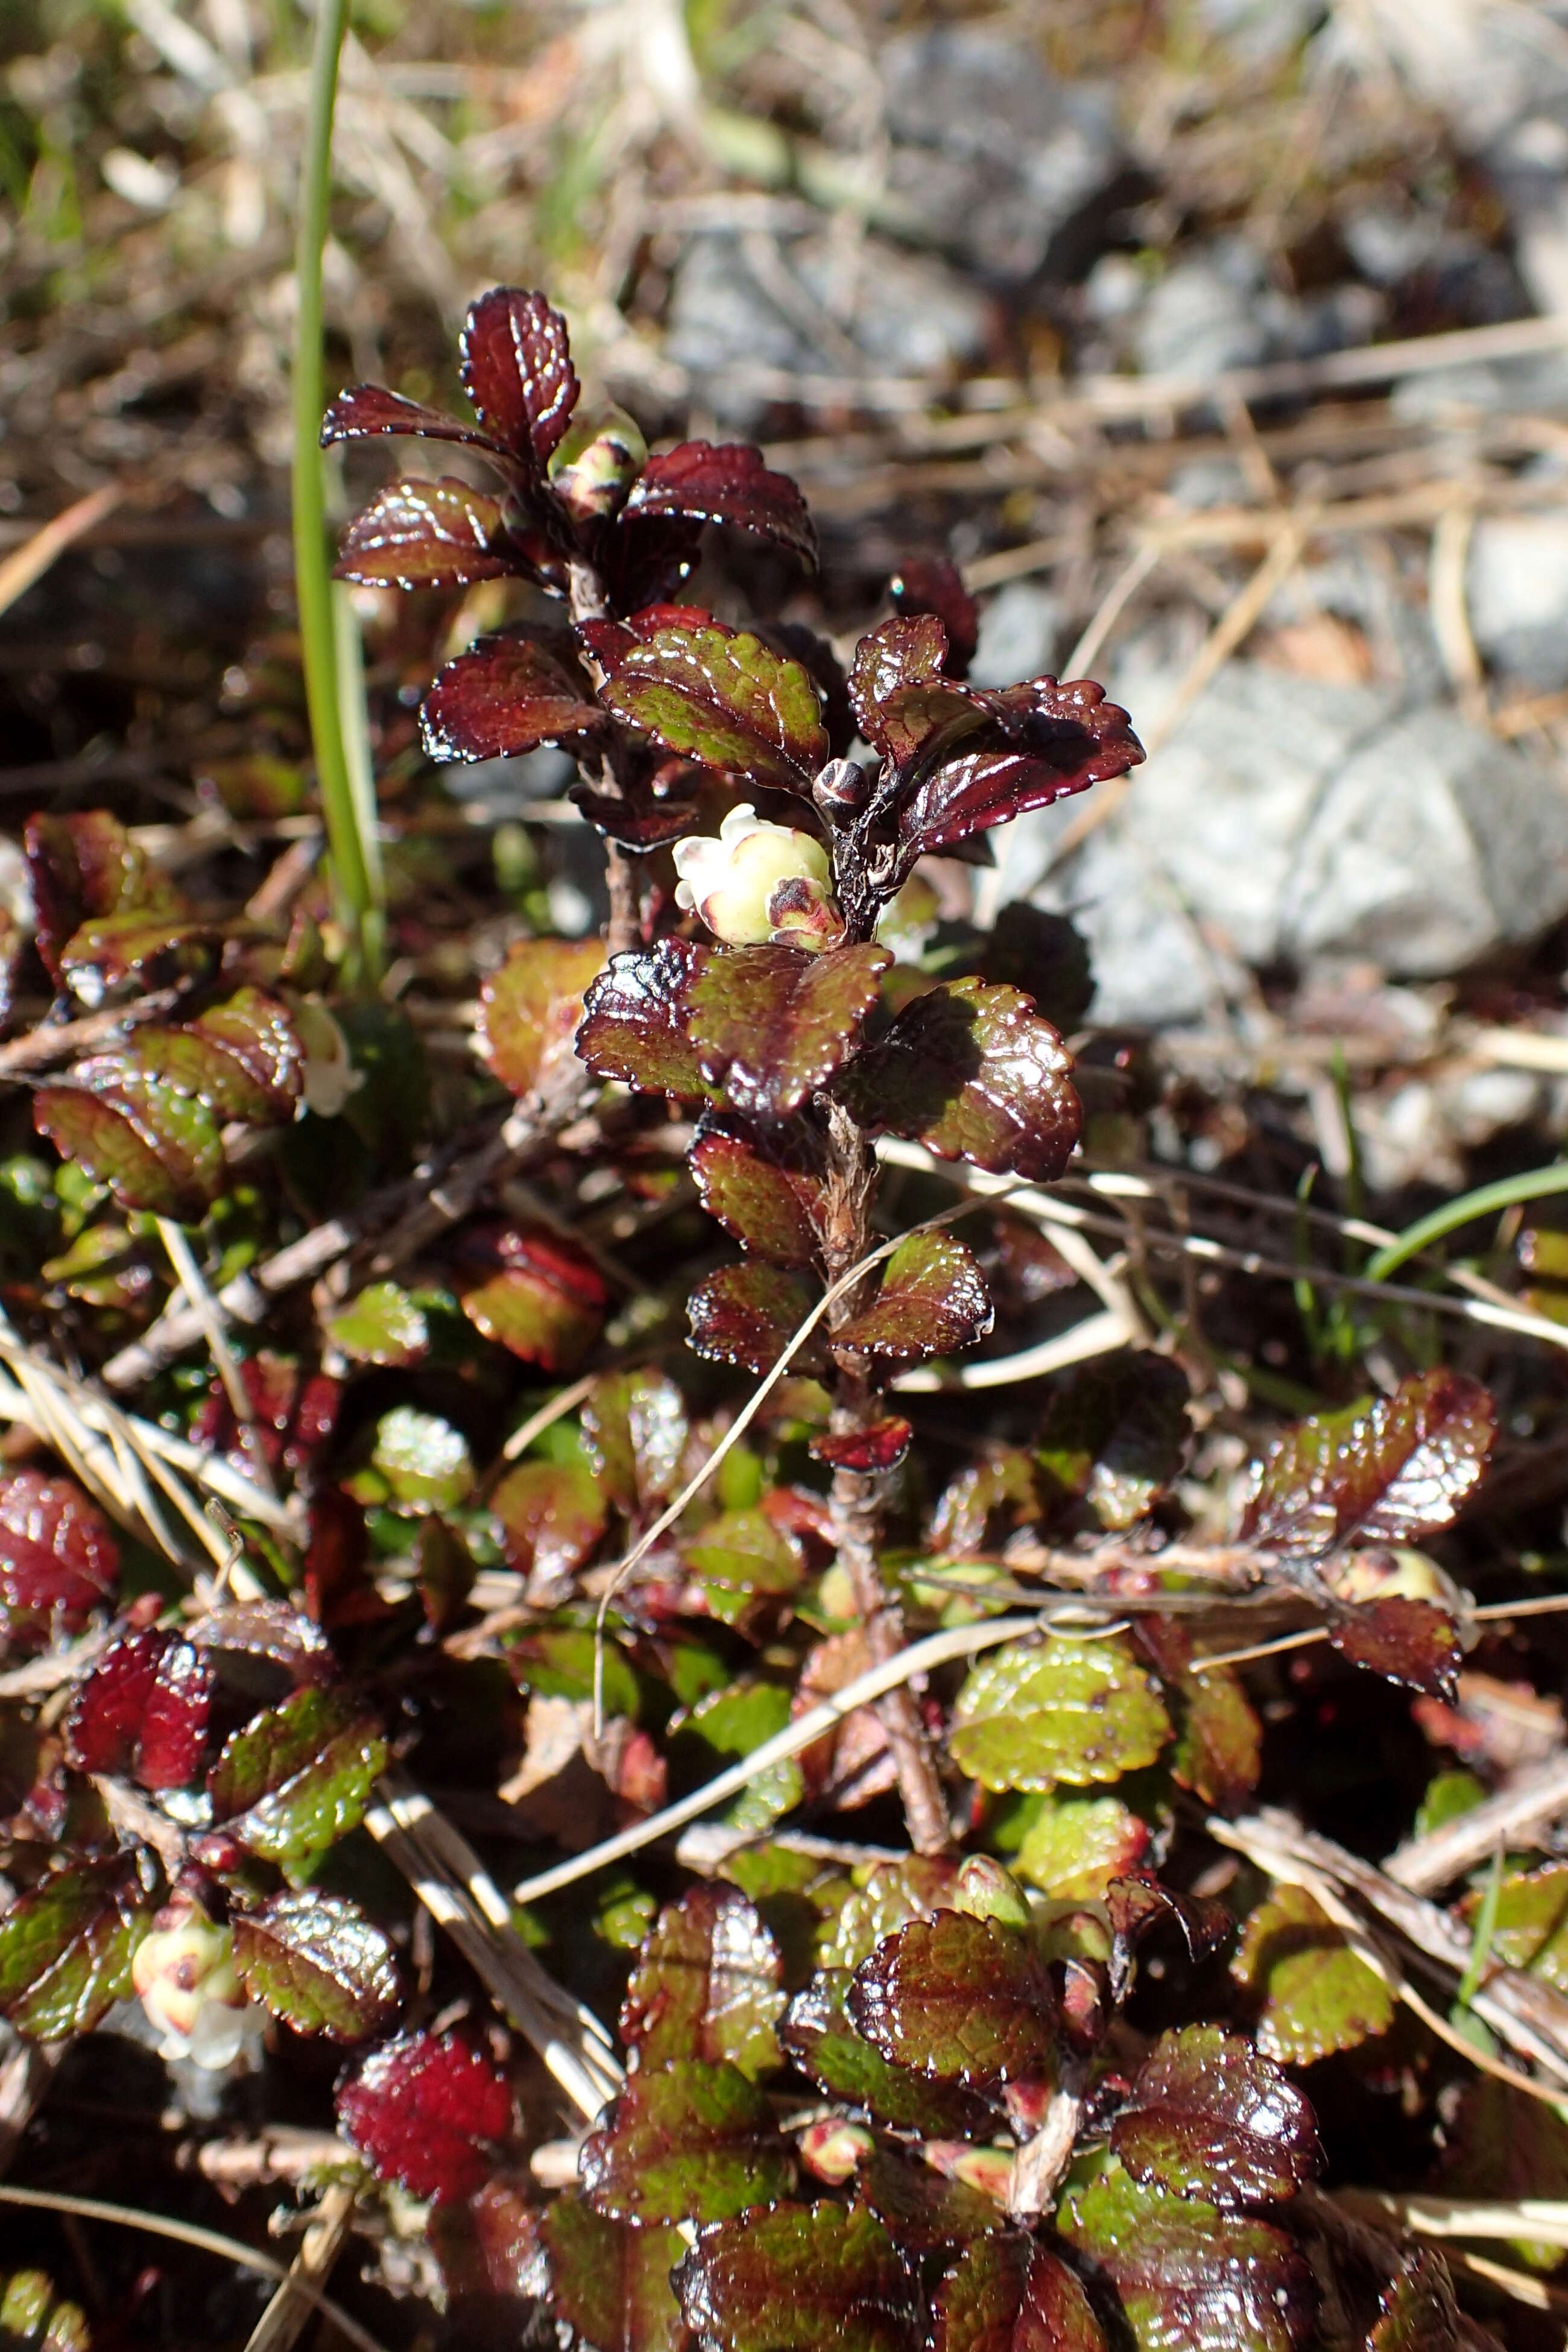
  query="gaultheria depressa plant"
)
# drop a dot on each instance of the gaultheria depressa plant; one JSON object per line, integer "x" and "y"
{"x": 906, "y": 2101}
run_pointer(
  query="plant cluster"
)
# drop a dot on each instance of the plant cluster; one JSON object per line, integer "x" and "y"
{"x": 1017, "y": 2083}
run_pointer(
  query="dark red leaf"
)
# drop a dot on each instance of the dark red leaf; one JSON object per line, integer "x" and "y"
{"x": 973, "y": 1073}
{"x": 1005, "y": 2295}
{"x": 1060, "y": 740}
{"x": 635, "y": 1023}
{"x": 256, "y": 1033}
{"x": 143, "y": 1708}
{"x": 708, "y": 1983}
{"x": 368, "y": 410}
{"x": 427, "y": 534}
{"x": 533, "y": 1291}
{"x": 1389, "y": 1470}
{"x": 687, "y": 2142}
{"x": 1218, "y": 1751}
{"x": 929, "y": 583}
{"x": 819, "y": 2036}
{"x": 424, "y": 2109}
{"x": 85, "y": 865}
{"x": 798, "y": 2279}
{"x": 1210, "y": 2116}
{"x": 747, "y": 1314}
{"x": 724, "y": 697}
{"x": 870, "y": 1451}
{"x": 933, "y": 1300}
{"x": 966, "y": 2000}
{"x": 763, "y": 1203}
{"x": 509, "y": 694}
{"x": 773, "y": 1024}
{"x": 58, "y": 1551}
{"x": 729, "y": 483}
{"x": 1139, "y": 1902}
{"x": 922, "y": 2212}
{"x": 553, "y": 1514}
{"x": 907, "y": 706}
{"x": 1403, "y": 1641}
{"x": 155, "y": 1147}
{"x": 516, "y": 366}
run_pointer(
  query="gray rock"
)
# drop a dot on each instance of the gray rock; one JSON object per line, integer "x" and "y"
{"x": 1290, "y": 821}
{"x": 1517, "y": 589}
{"x": 1018, "y": 632}
{"x": 1206, "y": 314}
{"x": 992, "y": 154}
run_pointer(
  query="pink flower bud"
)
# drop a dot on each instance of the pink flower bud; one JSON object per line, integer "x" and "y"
{"x": 760, "y": 884}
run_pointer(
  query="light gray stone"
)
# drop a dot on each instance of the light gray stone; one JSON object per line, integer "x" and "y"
{"x": 1018, "y": 631}
{"x": 1518, "y": 586}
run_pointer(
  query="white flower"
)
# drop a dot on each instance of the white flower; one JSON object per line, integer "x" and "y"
{"x": 759, "y": 884}
{"x": 184, "y": 1974}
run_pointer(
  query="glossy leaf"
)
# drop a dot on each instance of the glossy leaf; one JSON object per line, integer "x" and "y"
{"x": 507, "y": 694}
{"x": 66, "y": 1949}
{"x": 318, "y": 1964}
{"x": 143, "y": 1708}
{"x": 1317, "y": 1995}
{"x": 551, "y": 1515}
{"x": 425, "y": 534}
{"x": 1218, "y": 1752}
{"x": 85, "y": 864}
{"x": 425, "y": 2109}
{"x": 973, "y": 1072}
{"x": 155, "y": 1148}
{"x": 820, "y": 2038}
{"x": 1389, "y": 1471}
{"x": 699, "y": 482}
{"x": 686, "y": 2142}
{"x": 1403, "y": 1641}
{"x": 383, "y": 1325}
{"x": 725, "y": 700}
{"x": 516, "y": 366}
{"x": 1419, "y": 2312}
{"x": 1073, "y": 1711}
{"x": 57, "y": 1552}
{"x": 929, "y": 583}
{"x": 366, "y": 411}
{"x": 730, "y": 1723}
{"x": 635, "y": 1020}
{"x": 1005, "y": 2295}
{"x": 963, "y": 1999}
{"x": 299, "y": 1775}
{"x": 1209, "y": 2116}
{"x": 797, "y": 2279}
{"x": 1074, "y": 1846}
{"x": 110, "y": 953}
{"x": 1531, "y": 1926}
{"x": 748, "y": 1314}
{"x": 611, "y": 2282}
{"x": 1047, "y": 740}
{"x": 760, "y": 1201}
{"x": 544, "y": 1300}
{"x": 1187, "y": 2276}
{"x": 870, "y": 1452}
{"x": 258, "y": 1032}
{"x": 773, "y": 1024}
{"x": 922, "y": 2212}
{"x": 708, "y": 1984}
{"x": 1137, "y": 1903}
{"x": 933, "y": 1300}
{"x": 740, "y": 1557}
{"x": 635, "y": 1428}
{"x": 886, "y": 1896}
{"x": 892, "y": 662}
{"x": 530, "y": 1009}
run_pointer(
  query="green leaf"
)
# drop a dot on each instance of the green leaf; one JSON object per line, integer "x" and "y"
{"x": 634, "y": 1025}
{"x": 1219, "y": 1740}
{"x": 540, "y": 1296}
{"x": 155, "y": 1148}
{"x": 553, "y": 1514}
{"x": 1403, "y": 1640}
{"x": 1190, "y": 2278}
{"x": 1068, "y": 1710}
{"x": 634, "y": 1429}
{"x": 32, "y": 2320}
{"x": 318, "y": 1964}
{"x": 686, "y": 2142}
{"x": 762, "y": 1202}
{"x": 109, "y": 952}
{"x": 424, "y": 1460}
{"x": 708, "y": 1984}
{"x": 87, "y": 865}
{"x": 973, "y": 1073}
{"x": 797, "y": 2279}
{"x": 1388, "y": 1470}
{"x": 923, "y": 2212}
{"x": 820, "y": 2038}
{"x": 529, "y": 1011}
{"x": 739, "y": 1557}
{"x": 1210, "y": 2116}
{"x": 299, "y": 1775}
{"x": 558, "y": 1662}
{"x": 965, "y": 2000}
{"x": 771, "y": 1024}
{"x": 1532, "y": 1928}
{"x": 1074, "y": 1846}
{"x": 721, "y": 1729}
{"x": 888, "y": 1896}
{"x": 933, "y": 1300}
{"x": 748, "y": 1314}
{"x": 1318, "y": 1996}
{"x": 727, "y": 701}
{"x": 1005, "y": 2295}
{"x": 611, "y": 2282}
{"x": 1419, "y": 2311}
{"x": 383, "y": 1325}
{"x": 1116, "y": 1437}
{"x": 66, "y": 1949}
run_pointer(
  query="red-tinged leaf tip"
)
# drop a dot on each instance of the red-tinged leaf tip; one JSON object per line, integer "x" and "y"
{"x": 426, "y": 2109}
{"x": 1210, "y": 2116}
{"x": 870, "y": 1452}
{"x": 724, "y": 699}
{"x": 708, "y": 1984}
{"x": 818, "y": 2034}
{"x": 762, "y": 1202}
{"x": 530, "y": 1009}
{"x": 143, "y": 1708}
{"x": 929, "y": 583}
{"x": 516, "y": 367}
{"x": 1005, "y": 2295}
{"x": 798, "y": 2278}
{"x": 729, "y": 483}
{"x": 551, "y": 1515}
{"x": 299, "y": 1775}
{"x": 58, "y": 1551}
{"x": 534, "y": 1292}
{"x": 973, "y": 1073}
{"x": 1042, "y": 742}
{"x": 1389, "y": 1470}
{"x": 425, "y": 534}
{"x": 685, "y": 2142}
{"x": 933, "y": 1300}
{"x": 1405, "y": 1641}
{"x": 747, "y": 1314}
{"x": 318, "y": 1964}
{"x": 635, "y": 1020}
{"x": 508, "y": 695}
{"x": 962, "y": 1999}
{"x": 366, "y": 411}
{"x": 773, "y": 1024}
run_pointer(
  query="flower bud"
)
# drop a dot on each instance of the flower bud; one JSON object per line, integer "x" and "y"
{"x": 759, "y": 885}
{"x": 1394, "y": 1573}
{"x": 986, "y": 1891}
{"x": 841, "y": 789}
{"x": 184, "y": 1974}
{"x": 835, "y": 2151}
{"x": 599, "y": 457}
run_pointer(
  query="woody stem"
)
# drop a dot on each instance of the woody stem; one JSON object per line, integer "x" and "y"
{"x": 585, "y": 595}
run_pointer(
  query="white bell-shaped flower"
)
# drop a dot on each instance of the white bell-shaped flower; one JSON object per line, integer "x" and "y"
{"x": 759, "y": 884}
